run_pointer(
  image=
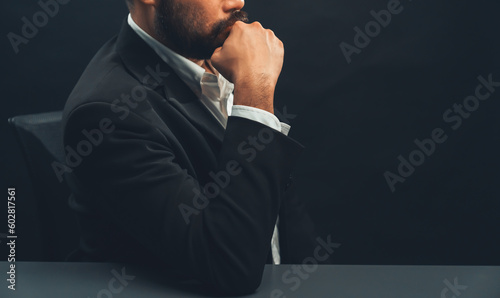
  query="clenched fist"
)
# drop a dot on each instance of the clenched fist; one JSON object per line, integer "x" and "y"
{"x": 252, "y": 59}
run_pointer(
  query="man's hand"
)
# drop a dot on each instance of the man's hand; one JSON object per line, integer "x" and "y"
{"x": 251, "y": 58}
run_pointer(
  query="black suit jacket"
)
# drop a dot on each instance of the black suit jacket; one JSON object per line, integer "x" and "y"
{"x": 156, "y": 178}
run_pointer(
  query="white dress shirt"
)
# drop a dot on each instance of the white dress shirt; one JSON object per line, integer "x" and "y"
{"x": 216, "y": 93}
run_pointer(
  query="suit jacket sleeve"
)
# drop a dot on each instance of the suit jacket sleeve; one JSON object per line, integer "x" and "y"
{"x": 298, "y": 234}
{"x": 134, "y": 180}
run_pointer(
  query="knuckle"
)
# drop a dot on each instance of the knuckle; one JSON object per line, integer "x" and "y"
{"x": 257, "y": 24}
{"x": 238, "y": 25}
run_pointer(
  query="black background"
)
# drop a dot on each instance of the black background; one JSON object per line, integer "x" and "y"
{"x": 354, "y": 119}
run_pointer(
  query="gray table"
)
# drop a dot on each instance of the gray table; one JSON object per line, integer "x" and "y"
{"x": 74, "y": 280}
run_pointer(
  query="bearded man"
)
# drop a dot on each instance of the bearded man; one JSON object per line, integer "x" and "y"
{"x": 177, "y": 157}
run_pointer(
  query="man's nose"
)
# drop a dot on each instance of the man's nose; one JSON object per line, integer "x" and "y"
{"x": 230, "y": 5}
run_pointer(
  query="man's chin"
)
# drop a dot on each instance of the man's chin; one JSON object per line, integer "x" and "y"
{"x": 221, "y": 38}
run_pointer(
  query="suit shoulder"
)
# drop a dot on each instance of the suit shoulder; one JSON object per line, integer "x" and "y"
{"x": 104, "y": 79}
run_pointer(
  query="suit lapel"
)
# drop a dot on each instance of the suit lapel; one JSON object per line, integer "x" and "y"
{"x": 149, "y": 69}
{"x": 179, "y": 95}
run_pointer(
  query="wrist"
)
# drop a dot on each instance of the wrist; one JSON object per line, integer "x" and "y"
{"x": 255, "y": 95}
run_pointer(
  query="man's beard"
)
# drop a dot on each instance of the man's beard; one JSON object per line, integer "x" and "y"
{"x": 181, "y": 27}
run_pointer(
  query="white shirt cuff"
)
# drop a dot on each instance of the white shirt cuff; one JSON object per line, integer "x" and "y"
{"x": 260, "y": 116}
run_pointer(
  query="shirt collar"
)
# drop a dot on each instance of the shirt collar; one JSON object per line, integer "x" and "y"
{"x": 188, "y": 71}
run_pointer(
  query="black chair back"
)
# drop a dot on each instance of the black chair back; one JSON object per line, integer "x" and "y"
{"x": 40, "y": 139}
